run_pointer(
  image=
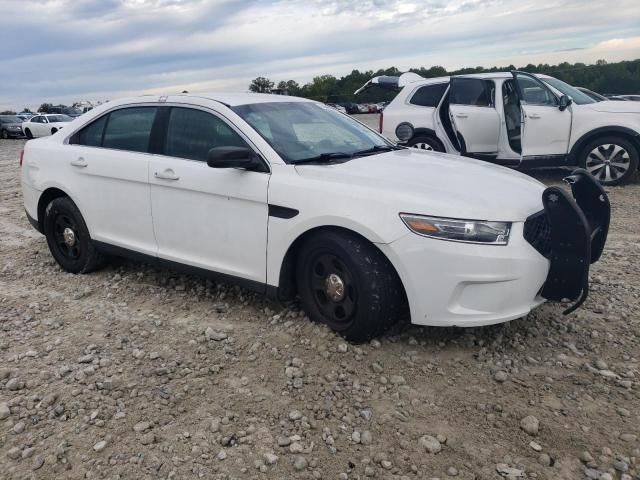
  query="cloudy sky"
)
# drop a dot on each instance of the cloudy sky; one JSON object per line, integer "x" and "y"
{"x": 66, "y": 50}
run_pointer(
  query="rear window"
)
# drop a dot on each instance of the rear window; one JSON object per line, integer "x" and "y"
{"x": 429, "y": 95}
{"x": 129, "y": 129}
{"x": 472, "y": 91}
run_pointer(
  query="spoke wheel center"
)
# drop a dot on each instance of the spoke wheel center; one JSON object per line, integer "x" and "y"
{"x": 69, "y": 236}
{"x": 334, "y": 287}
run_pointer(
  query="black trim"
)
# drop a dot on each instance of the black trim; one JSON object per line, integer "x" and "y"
{"x": 587, "y": 137}
{"x": 282, "y": 212}
{"x": 34, "y": 223}
{"x": 536, "y": 161}
{"x": 252, "y": 285}
{"x": 157, "y": 137}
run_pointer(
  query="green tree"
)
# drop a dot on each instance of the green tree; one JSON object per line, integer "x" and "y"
{"x": 261, "y": 85}
{"x": 26, "y": 109}
{"x": 8, "y": 112}
{"x": 44, "y": 108}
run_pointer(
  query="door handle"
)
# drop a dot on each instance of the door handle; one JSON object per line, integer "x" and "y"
{"x": 534, "y": 116}
{"x": 167, "y": 174}
{"x": 461, "y": 115}
{"x": 79, "y": 162}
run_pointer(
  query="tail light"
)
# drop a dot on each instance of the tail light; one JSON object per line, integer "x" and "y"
{"x": 381, "y": 121}
{"x": 21, "y": 156}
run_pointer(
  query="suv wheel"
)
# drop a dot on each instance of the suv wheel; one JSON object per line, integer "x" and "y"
{"x": 426, "y": 143}
{"x": 348, "y": 284}
{"x": 611, "y": 160}
{"x": 68, "y": 237}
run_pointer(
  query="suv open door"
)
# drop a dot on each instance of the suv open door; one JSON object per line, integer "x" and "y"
{"x": 546, "y": 119}
{"x": 473, "y": 115}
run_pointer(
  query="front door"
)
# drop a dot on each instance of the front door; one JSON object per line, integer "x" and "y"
{"x": 474, "y": 116}
{"x": 546, "y": 127}
{"x": 211, "y": 218}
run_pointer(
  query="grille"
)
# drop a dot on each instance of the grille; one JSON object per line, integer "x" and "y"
{"x": 537, "y": 231}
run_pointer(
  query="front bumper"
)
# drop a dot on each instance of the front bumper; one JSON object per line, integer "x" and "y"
{"x": 458, "y": 284}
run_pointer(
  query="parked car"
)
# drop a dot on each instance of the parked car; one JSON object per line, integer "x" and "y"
{"x": 288, "y": 197}
{"x": 350, "y": 107}
{"x": 596, "y": 96}
{"x": 64, "y": 110}
{"x": 10, "y": 126}
{"x": 25, "y": 115}
{"x": 516, "y": 119}
{"x": 340, "y": 108}
{"x": 44, "y": 124}
{"x": 631, "y": 98}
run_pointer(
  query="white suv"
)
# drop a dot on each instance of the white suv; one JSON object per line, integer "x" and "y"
{"x": 288, "y": 196}
{"x": 515, "y": 119}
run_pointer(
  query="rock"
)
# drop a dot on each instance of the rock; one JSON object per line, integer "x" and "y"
{"x": 19, "y": 427}
{"x": 38, "y": 461}
{"x": 397, "y": 380}
{"x": 295, "y": 415}
{"x": 4, "y": 410}
{"x": 148, "y": 438}
{"x": 14, "y": 453}
{"x": 586, "y": 457}
{"x": 530, "y": 424}
{"x": 141, "y": 426}
{"x": 355, "y": 436}
{"x": 343, "y": 347}
{"x": 628, "y": 437}
{"x": 544, "y": 459}
{"x": 296, "y": 447}
{"x": 283, "y": 441}
{"x": 452, "y": 472}
{"x": 430, "y": 444}
{"x": 270, "y": 458}
{"x": 500, "y": 376}
{"x": 211, "y": 334}
{"x": 365, "y": 437}
{"x": 222, "y": 454}
{"x": 98, "y": 447}
{"x": 28, "y": 452}
{"x": 536, "y": 446}
{"x": 509, "y": 472}
{"x": 300, "y": 463}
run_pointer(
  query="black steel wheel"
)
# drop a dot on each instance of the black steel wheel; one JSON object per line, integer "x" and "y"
{"x": 68, "y": 237}
{"x": 346, "y": 282}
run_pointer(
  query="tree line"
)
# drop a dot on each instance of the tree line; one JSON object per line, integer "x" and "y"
{"x": 602, "y": 77}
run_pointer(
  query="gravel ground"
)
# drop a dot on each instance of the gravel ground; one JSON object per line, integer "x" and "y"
{"x": 136, "y": 373}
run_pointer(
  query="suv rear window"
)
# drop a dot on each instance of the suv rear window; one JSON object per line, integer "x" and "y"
{"x": 472, "y": 91}
{"x": 429, "y": 95}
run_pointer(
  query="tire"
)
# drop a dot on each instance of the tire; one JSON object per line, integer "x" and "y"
{"x": 611, "y": 159}
{"x": 81, "y": 256}
{"x": 348, "y": 284}
{"x": 28, "y": 133}
{"x": 4, "y": 134}
{"x": 53, "y": 130}
{"x": 426, "y": 143}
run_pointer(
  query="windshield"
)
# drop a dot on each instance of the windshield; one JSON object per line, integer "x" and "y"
{"x": 301, "y": 131}
{"x": 59, "y": 118}
{"x": 566, "y": 89}
{"x": 10, "y": 120}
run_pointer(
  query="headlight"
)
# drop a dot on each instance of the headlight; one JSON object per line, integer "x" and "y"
{"x": 457, "y": 230}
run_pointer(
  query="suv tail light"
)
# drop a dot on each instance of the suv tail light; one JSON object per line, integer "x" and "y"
{"x": 21, "y": 156}
{"x": 381, "y": 121}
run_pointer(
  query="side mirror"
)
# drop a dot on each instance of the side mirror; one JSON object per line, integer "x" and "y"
{"x": 565, "y": 101}
{"x": 234, "y": 157}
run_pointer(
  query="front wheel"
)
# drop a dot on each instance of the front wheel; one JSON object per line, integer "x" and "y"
{"x": 5, "y": 134}
{"x": 53, "y": 130}
{"x": 28, "y": 133}
{"x": 611, "y": 160}
{"x": 426, "y": 143}
{"x": 347, "y": 283}
{"x": 68, "y": 237}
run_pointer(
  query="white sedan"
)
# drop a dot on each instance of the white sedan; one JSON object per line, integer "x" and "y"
{"x": 44, "y": 125}
{"x": 290, "y": 198}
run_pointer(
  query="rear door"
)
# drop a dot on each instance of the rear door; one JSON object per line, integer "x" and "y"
{"x": 545, "y": 127}
{"x": 474, "y": 116}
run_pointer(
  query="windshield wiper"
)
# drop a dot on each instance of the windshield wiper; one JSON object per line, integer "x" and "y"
{"x": 376, "y": 149}
{"x": 324, "y": 158}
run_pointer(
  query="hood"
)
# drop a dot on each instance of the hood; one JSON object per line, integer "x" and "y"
{"x": 435, "y": 184}
{"x": 613, "y": 106}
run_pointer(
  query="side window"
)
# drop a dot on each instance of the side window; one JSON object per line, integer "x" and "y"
{"x": 533, "y": 92}
{"x": 192, "y": 133}
{"x": 91, "y": 135}
{"x": 129, "y": 129}
{"x": 472, "y": 91}
{"x": 429, "y": 95}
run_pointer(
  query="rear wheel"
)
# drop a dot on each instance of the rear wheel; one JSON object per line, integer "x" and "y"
{"x": 68, "y": 237}
{"x": 347, "y": 283}
{"x": 611, "y": 160}
{"x": 426, "y": 143}
{"x": 28, "y": 133}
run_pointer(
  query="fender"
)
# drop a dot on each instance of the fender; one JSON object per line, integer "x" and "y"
{"x": 613, "y": 129}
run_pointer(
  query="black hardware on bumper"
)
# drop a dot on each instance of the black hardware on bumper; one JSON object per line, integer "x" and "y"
{"x": 571, "y": 233}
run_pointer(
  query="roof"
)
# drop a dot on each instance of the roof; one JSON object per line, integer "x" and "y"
{"x": 233, "y": 99}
